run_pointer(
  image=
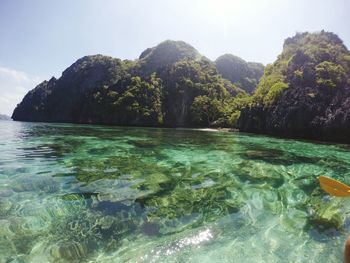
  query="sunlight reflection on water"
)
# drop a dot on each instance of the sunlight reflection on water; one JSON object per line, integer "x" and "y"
{"x": 196, "y": 240}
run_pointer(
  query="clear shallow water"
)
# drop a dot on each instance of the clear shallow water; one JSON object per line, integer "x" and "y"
{"x": 78, "y": 193}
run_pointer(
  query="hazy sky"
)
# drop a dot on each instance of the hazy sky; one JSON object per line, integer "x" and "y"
{"x": 40, "y": 38}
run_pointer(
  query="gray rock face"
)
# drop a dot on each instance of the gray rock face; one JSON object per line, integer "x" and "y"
{"x": 62, "y": 100}
{"x": 165, "y": 54}
{"x": 298, "y": 114}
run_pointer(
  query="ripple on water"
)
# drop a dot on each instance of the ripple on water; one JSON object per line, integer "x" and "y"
{"x": 79, "y": 193}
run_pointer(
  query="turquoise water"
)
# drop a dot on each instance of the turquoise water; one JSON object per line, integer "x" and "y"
{"x": 79, "y": 193}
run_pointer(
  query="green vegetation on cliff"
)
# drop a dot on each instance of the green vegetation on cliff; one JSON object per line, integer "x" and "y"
{"x": 170, "y": 85}
{"x": 305, "y": 92}
{"x": 317, "y": 60}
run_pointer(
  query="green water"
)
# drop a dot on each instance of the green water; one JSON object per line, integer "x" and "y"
{"x": 78, "y": 193}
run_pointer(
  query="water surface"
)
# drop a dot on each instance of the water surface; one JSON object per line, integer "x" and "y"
{"x": 80, "y": 193}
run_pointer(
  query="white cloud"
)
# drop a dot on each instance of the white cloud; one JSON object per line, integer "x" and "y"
{"x": 13, "y": 86}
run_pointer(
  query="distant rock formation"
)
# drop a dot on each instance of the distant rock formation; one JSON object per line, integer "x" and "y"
{"x": 244, "y": 74}
{"x": 4, "y": 117}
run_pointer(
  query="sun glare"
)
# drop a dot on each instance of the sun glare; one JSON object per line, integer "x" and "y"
{"x": 220, "y": 8}
{"x": 230, "y": 11}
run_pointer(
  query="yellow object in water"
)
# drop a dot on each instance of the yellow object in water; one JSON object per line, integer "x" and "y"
{"x": 334, "y": 187}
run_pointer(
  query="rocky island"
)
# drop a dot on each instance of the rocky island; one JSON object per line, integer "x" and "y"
{"x": 303, "y": 94}
{"x": 170, "y": 85}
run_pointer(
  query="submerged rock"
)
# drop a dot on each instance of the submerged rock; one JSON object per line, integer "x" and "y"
{"x": 70, "y": 251}
{"x": 325, "y": 212}
{"x": 150, "y": 229}
{"x": 36, "y": 183}
{"x": 144, "y": 143}
{"x": 259, "y": 173}
{"x": 183, "y": 208}
{"x": 5, "y": 207}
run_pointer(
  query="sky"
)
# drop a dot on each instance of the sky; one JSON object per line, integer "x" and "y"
{"x": 40, "y": 38}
